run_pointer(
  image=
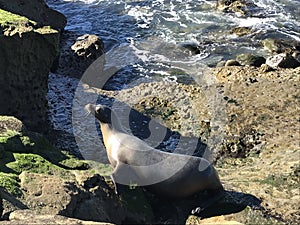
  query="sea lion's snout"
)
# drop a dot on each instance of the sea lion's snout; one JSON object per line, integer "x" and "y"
{"x": 101, "y": 112}
{"x": 90, "y": 108}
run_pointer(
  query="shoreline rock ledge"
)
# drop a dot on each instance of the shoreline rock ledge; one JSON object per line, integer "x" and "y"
{"x": 28, "y": 48}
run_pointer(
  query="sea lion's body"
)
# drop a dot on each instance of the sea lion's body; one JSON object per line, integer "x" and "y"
{"x": 163, "y": 173}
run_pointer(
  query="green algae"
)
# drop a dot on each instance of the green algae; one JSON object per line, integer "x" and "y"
{"x": 10, "y": 182}
{"x": 12, "y": 23}
{"x": 8, "y": 19}
{"x": 33, "y": 163}
{"x": 32, "y": 152}
{"x": 104, "y": 170}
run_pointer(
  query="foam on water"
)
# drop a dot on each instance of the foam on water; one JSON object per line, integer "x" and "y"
{"x": 173, "y": 21}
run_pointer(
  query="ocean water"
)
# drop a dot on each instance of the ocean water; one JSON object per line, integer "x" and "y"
{"x": 157, "y": 29}
{"x": 146, "y": 39}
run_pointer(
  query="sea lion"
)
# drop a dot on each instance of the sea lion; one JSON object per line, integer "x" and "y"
{"x": 135, "y": 162}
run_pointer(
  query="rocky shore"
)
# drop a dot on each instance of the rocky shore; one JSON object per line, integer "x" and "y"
{"x": 245, "y": 112}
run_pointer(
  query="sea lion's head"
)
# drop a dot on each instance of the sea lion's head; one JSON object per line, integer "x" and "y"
{"x": 101, "y": 112}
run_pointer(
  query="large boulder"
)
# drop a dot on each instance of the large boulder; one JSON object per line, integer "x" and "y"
{"x": 78, "y": 53}
{"x": 27, "y": 53}
{"x": 36, "y": 10}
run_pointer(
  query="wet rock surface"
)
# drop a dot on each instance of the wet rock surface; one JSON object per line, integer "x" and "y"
{"x": 240, "y": 7}
{"x": 282, "y": 60}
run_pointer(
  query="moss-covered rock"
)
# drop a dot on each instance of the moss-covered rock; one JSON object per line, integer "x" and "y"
{"x": 250, "y": 60}
{"x": 27, "y": 52}
{"x": 36, "y": 175}
{"x": 36, "y": 10}
{"x": 11, "y": 182}
{"x": 22, "y": 150}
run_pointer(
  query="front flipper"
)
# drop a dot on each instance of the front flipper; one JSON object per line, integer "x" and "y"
{"x": 116, "y": 185}
{"x": 124, "y": 174}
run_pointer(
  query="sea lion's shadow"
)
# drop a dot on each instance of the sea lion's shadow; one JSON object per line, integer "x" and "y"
{"x": 177, "y": 210}
{"x": 161, "y": 137}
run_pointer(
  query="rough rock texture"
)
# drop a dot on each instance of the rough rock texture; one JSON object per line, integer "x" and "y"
{"x": 32, "y": 217}
{"x": 280, "y": 45}
{"x": 249, "y": 119}
{"x": 262, "y": 137}
{"x": 282, "y": 60}
{"x": 36, "y": 176}
{"x": 78, "y": 53}
{"x": 241, "y": 7}
{"x": 250, "y": 60}
{"x": 36, "y": 10}
{"x": 241, "y": 31}
{"x": 27, "y": 52}
{"x": 10, "y": 123}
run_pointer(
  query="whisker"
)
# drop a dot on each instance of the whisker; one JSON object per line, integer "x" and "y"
{"x": 87, "y": 113}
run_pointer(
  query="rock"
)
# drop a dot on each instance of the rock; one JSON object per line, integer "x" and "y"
{"x": 241, "y": 31}
{"x": 192, "y": 47}
{"x": 33, "y": 217}
{"x": 259, "y": 135}
{"x": 250, "y": 60}
{"x": 79, "y": 53}
{"x": 265, "y": 68}
{"x": 214, "y": 220}
{"x": 283, "y": 60}
{"x": 35, "y": 175}
{"x": 8, "y": 203}
{"x": 1, "y": 207}
{"x": 89, "y": 46}
{"x": 296, "y": 55}
{"x": 10, "y": 123}
{"x": 36, "y": 10}
{"x": 26, "y": 56}
{"x": 280, "y": 45}
{"x": 221, "y": 63}
{"x": 242, "y": 7}
{"x": 232, "y": 62}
